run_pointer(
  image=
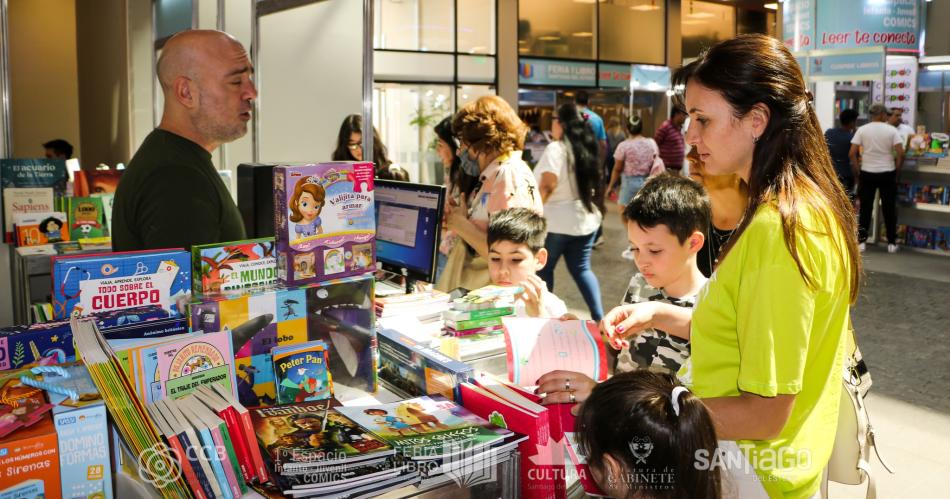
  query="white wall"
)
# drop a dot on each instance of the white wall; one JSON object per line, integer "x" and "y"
{"x": 309, "y": 78}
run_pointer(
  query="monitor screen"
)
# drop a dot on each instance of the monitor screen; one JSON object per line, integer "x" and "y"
{"x": 408, "y": 227}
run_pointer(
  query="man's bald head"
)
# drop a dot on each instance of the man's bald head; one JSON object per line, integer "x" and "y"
{"x": 206, "y": 80}
{"x": 185, "y": 53}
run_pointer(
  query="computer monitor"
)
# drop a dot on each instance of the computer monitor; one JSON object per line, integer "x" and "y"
{"x": 408, "y": 227}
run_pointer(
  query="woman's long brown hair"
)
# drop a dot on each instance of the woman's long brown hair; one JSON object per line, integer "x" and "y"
{"x": 791, "y": 164}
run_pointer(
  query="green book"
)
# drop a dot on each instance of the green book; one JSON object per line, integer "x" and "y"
{"x": 86, "y": 218}
{"x": 458, "y": 315}
{"x": 474, "y": 323}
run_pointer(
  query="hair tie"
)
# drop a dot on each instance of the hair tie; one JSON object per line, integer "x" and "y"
{"x": 675, "y": 397}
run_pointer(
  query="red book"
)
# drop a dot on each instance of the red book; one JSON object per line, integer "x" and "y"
{"x": 223, "y": 409}
{"x": 247, "y": 429}
{"x": 172, "y": 439}
{"x": 542, "y": 457}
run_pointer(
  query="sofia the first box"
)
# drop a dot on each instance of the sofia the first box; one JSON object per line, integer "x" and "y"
{"x": 324, "y": 221}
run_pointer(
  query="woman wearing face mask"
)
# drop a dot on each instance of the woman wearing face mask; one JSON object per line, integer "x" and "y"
{"x": 491, "y": 137}
{"x": 569, "y": 175}
{"x": 349, "y": 147}
{"x": 768, "y": 331}
{"x": 458, "y": 184}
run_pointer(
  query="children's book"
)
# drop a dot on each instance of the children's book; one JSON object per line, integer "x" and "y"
{"x": 539, "y": 346}
{"x": 184, "y": 463}
{"x": 86, "y": 284}
{"x": 427, "y": 428}
{"x": 30, "y": 460}
{"x": 207, "y": 396}
{"x": 108, "y": 200}
{"x": 314, "y": 435}
{"x": 209, "y": 446}
{"x": 30, "y": 186}
{"x": 488, "y": 297}
{"x": 300, "y": 372}
{"x": 96, "y": 182}
{"x": 942, "y": 241}
{"x": 33, "y": 229}
{"x": 223, "y": 446}
{"x": 324, "y": 221}
{"x": 86, "y": 218}
{"x": 243, "y": 417}
{"x": 21, "y": 406}
{"x": 415, "y": 369}
{"x": 187, "y": 364}
{"x": 233, "y": 266}
{"x": 129, "y": 415}
{"x": 191, "y": 444}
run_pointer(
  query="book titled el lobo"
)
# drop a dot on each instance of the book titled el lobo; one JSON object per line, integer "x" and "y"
{"x": 303, "y": 437}
{"x": 428, "y": 428}
{"x": 87, "y": 284}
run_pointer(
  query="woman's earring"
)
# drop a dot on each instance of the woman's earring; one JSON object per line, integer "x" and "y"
{"x": 755, "y": 140}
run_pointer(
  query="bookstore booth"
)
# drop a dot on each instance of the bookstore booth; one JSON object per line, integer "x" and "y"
{"x": 312, "y": 359}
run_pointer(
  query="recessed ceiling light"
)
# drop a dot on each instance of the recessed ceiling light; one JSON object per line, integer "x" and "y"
{"x": 549, "y": 38}
{"x": 694, "y": 22}
{"x": 582, "y": 34}
{"x": 701, "y": 15}
{"x": 771, "y": 6}
{"x": 938, "y": 67}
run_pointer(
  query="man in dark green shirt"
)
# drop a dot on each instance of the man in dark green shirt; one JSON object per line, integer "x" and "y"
{"x": 171, "y": 195}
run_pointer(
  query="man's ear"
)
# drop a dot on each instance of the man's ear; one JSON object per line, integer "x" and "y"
{"x": 542, "y": 257}
{"x": 185, "y": 92}
{"x": 696, "y": 241}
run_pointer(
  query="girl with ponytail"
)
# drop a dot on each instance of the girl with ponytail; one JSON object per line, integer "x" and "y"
{"x": 645, "y": 436}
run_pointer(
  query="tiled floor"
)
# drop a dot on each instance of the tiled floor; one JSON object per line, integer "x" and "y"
{"x": 903, "y": 322}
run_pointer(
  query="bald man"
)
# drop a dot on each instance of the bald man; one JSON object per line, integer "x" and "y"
{"x": 171, "y": 195}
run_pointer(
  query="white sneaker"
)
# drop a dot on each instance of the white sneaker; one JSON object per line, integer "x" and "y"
{"x": 892, "y": 248}
{"x": 862, "y": 247}
{"x": 627, "y": 254}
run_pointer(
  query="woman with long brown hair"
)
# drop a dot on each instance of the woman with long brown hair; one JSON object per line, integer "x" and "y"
{"x": 768, "y": 331}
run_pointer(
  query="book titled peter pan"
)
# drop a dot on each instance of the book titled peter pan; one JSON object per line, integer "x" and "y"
{"x": 233, "y": 266}
{"x": 301, "y": 374}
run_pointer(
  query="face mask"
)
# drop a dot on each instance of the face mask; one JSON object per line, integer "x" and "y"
{"x": 469, "y": 164}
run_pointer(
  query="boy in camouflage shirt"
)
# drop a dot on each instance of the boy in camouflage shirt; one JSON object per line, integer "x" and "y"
{"x": 666, "y": 222}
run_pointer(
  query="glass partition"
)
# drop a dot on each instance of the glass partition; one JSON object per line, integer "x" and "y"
{"x": 704, "y": 24}
{"x": 633, "y": 31}
{"x": 557, "y": 28}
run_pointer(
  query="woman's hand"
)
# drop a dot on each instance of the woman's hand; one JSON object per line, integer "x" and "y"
{"x": 558, "y": 386}
{"x": 627, "y": 320}
{"x": 457, "y": 215}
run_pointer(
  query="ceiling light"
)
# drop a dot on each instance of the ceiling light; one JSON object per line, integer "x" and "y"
{"x": 549, "y": 38}
{"x": 693, "y": 22}
{"x": 771, "y": 6}
{"x": 582, "y": 34}
{"x": 701, "y": 15}
{"x": 938, "y": 67}
{"x": 645, "y": 7}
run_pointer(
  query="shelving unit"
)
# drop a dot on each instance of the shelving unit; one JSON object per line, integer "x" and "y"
{"x": 923, "y": 171}
{"x": 854, "y": 95}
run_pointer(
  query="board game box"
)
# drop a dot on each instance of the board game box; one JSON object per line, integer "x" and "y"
{"x": 324, "y": 221}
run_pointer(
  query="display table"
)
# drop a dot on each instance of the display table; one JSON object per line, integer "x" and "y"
{"x": 32, "y": 282}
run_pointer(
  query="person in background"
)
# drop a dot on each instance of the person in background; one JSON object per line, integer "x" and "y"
{"x": 839, "y": 145}
{"x": 669, "y": 138}
{"x": 728, "y": 196}
{"x": 882, "y": 156}
{"x": 515, "y": 254}
{"x": 615, "y": 135}
{"x": 582, "y": 99}
{"x": 633, "y": 162}
{"x": 896, "y": 119}
{"x": 171, "y": 195}
{"x": 58, "y": 149}
{"x": 349, "y": 147}
{"x": 458, "y": 184}
{"x": 639, "y": 422}
{"x": 572, "y": 190}
{"x": 491, "y": 136}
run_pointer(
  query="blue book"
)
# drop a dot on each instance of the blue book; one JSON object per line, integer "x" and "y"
{"x": 92, "y": 284}
{"x": 193, "y": 446}
{"x": 210, "y": 448}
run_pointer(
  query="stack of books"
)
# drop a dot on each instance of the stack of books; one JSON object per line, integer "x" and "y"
{"x": 212, "y": 448}
{"x": 427, "y": 307}
{"x": 473, "y": 326}
{"x": 437, "y": 436}
{"x": 315, "y": 451}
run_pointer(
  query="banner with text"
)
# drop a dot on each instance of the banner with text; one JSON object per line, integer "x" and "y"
{"x": 559, "y": 73}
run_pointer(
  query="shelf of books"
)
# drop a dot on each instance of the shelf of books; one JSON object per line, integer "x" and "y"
{"x": 923, "y": 198}
{"x": 221, "y": 373}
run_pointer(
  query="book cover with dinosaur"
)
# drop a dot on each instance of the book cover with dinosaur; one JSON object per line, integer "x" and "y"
{"x": 234, "y": 266}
